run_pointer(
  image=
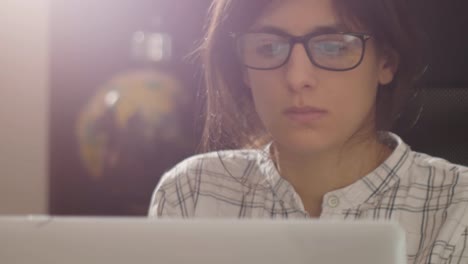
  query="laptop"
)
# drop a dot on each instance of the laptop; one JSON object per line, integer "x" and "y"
{"x": 46, "y": 240}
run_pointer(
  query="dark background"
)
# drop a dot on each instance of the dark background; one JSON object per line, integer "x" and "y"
{"x": 90, "y": 44}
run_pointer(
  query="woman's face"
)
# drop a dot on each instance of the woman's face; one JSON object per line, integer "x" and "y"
{"x": 306, "y": 108}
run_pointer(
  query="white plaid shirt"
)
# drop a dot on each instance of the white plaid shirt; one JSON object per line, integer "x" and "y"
{"x": 427, "y": 196}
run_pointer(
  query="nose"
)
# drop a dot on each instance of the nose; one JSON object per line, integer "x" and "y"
{"x": 300, "y": 72}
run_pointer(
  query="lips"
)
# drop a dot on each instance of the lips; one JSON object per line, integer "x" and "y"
{"x": 305, "y": 114}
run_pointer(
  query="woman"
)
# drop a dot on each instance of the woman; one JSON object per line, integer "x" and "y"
{"x": 303, "y": 92}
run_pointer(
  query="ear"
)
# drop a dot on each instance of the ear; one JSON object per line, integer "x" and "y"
{"x": 388, "y": 66}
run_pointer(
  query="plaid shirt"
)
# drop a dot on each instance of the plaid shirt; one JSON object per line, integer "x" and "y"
{"x": 427, "y": 196}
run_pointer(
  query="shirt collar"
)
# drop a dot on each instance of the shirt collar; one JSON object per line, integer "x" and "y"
{"x": 384, "y": 177}
{"x": 364, "y": 190}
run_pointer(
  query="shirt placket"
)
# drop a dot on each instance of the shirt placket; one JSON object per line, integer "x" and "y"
{"x": 333, "y": 206}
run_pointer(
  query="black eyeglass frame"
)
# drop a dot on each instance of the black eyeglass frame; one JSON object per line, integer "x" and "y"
{"x": 293, "y": 40}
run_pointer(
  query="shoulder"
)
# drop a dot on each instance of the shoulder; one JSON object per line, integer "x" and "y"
{"x": 214, "y": 173}
{"x": 444, "y": 186}
{"x": 218, "y": 166}
{"x": 422, "y": 171}
{"x": 425, "y": 166}
{"x": 441, "y": 182}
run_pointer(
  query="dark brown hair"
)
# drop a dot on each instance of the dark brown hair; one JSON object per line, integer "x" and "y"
{"x": 230, "y": 118}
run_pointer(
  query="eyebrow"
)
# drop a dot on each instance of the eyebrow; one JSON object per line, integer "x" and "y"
{"x": 335, "y": 28}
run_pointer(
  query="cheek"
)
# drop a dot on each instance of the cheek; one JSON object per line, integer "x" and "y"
{"x": 266, "y": 91}
{"x": 354, "y": 100}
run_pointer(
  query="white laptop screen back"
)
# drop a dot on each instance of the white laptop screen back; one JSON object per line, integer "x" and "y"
{"x": 141, "y": 241}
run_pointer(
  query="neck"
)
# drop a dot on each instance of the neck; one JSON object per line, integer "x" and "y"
{"x": 315, "y": 174}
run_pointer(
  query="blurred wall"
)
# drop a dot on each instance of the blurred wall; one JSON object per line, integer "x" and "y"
{"x": 85, "y": 54}
{"x": 24, "y": 106}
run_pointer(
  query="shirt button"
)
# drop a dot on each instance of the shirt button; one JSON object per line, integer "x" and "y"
{"x": 333, "y": 201}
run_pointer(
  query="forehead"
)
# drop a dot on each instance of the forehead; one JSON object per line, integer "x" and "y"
{"x": 297, "y": 17}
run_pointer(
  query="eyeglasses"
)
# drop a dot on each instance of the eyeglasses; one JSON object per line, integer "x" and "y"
{"x": 330, "y": 51}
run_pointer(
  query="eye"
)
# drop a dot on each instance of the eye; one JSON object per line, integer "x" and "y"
{"x": 271, "y": 49}
{"x": 332, "y": 48}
